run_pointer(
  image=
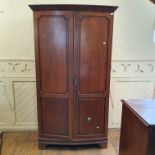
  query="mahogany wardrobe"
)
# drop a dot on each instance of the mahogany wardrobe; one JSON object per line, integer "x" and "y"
{"x": 73, "y": 59}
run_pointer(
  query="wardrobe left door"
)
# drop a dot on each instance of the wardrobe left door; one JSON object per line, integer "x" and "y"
{"x": 54, "y": 68}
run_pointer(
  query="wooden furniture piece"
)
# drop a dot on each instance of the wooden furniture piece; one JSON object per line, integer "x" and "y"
{"x": 152, "y": 1}
{"x": 73, "y": 59}
{"x": 1, "y": 138}
{"x": 138, "y": 128}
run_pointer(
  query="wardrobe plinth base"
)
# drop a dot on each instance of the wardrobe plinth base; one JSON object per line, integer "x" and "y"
{"x": 43, "y": 144}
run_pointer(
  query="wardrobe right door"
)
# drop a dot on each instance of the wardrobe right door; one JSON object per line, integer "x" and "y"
{"x": 92, "y": 72}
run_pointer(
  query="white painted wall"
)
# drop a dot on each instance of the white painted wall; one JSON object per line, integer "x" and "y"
{"x": 133, "y": 28}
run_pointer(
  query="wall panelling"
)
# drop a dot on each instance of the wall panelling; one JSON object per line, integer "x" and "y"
{"x": 129, "y": 79}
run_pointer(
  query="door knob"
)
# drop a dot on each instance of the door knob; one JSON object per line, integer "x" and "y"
{"x": 97, "y": 127}
{"x": 104, "y": 42}
{"x": 89, "y": 119}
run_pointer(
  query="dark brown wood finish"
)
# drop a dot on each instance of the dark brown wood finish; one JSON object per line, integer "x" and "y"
{"x": 91, "y": 116}
{"x": 75, "y": 7}
{"x": 138, "y": 128}
{"x": 52, "y": 123}
{"x": 91, "y": 63}
{"x": 54, "y": 35}
{"x": 73, "y": 56}
{"x": 153, "y": 1}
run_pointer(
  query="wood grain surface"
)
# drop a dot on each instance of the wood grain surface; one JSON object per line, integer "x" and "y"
{"x": 1, "y": 137}
{"x": 26, "y": 144}
{"x": 138, "y": 128}
{"x": 73, "y": 60}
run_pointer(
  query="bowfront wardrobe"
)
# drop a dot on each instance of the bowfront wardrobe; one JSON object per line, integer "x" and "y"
{"x": 73, "y": 60}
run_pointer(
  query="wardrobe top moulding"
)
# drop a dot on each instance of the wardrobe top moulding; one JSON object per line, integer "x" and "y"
{"x": 103, "y": 8}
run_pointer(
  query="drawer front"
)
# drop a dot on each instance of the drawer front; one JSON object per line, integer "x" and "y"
{"x": 91, "y": 117}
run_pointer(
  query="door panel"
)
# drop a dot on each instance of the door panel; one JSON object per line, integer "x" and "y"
{"x": 93, "y": 46}
{"x": 91, "y": 116}
{"x": 55, "y": 117}
{"x": 55, "y": 72}
{"x": 91, "y": 60}
{"x": 54, "y": 53}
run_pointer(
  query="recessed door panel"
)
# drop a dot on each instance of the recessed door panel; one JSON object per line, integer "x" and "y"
{"x": 55, "y": 117}
{"x": 91, "y": 116}
{"x": 93, "y": 41}
{"x": 54, "y": 53}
